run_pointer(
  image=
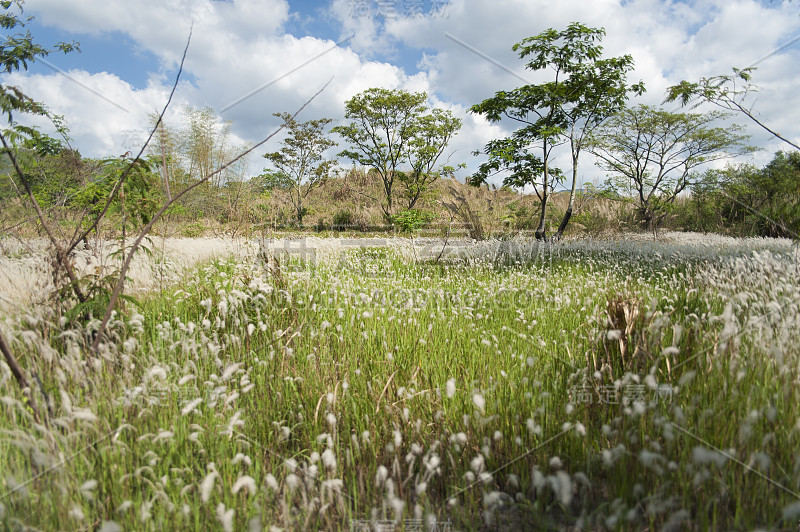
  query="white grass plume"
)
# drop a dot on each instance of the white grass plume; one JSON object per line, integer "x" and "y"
{"x": 208, "y": 484}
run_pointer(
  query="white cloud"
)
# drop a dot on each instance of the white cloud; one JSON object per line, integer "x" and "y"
{"x": 240, "y": 46}
{"x": 669, "y": 41}
{"x": 106, "y": 126}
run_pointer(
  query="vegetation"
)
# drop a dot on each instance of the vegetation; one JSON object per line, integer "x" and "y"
{"x": 498, "y": 383}
{"x": 651, "y": 154}
{"x": 357, "y": 388}
{"x": 391, "y": 129}
{"x": 748, "y": 200}
{"x": 300, "y": 161}
{"x": 728, "y": 91}
{"x": 585, "y": 91}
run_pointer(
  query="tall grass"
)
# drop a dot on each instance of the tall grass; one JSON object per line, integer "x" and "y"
{"x": 589, "y": 384}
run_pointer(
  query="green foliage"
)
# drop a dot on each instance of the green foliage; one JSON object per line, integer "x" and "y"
{"x": 391, "y": 129}
{"x": 17, "y": 51}
{"x": 193, "y": 230}
{"x": 136, "y": 203}
{"x": 54, "y": 178}
{"x": 270, "y": 180}
{"x": 521, "y": 217}
{"x": 430, "y": 135}
{"x": 98, "y": 289}
{"x": 746, "y": 200}
{"x": 651, "y": 154}
{"x": 343, "y": 218}
{"x": 411, "y": 219}
{"x": 300, "y": 162}
{"x": 585, "y": 90}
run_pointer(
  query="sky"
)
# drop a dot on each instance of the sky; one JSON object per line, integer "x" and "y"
{"x": 248, "y": 59}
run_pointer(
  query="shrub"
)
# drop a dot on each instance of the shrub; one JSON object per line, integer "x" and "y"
{"x": 411, "y": 219}
{"x": 342, "y": 219}
{"x": 193, "y": 230}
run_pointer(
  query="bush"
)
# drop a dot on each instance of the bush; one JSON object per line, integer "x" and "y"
{"x": 343, "y": 219}
{"x": 412, "y": 219}
{"x": 193, "y": 230}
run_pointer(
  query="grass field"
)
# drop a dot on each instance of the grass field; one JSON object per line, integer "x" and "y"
{"x": 591, "y": 384}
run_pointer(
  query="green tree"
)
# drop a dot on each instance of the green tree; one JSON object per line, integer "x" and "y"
{"x": 747, "y": 200}
{"x": 652, "y": 154}
{"x": 429, "y": 137}
{"x": 17, "y": 51}
{"x": 585, "y": 90}
{"x": 391, "y": 129}
{"x": 779, "y": 215}
{"x": 515, "y": 156}
{"x": 537, "y": 108}
{"x": 300, "y": 162}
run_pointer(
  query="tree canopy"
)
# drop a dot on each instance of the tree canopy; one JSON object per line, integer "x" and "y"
{"x": 653, "y": 152}
{"x": 300, "y": 160}
{"x": 584, "y": 90}
{"x": 392, "y": 129}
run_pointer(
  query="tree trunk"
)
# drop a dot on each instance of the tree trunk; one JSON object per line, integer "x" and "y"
{"x": 564, "y": 222}
{"x": 541, "y": 231}
{"x": 568, "y": 214}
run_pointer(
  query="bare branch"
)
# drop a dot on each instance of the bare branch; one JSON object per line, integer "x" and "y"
{"x": 143, "y": 233}
{"x": 121, "y": 181}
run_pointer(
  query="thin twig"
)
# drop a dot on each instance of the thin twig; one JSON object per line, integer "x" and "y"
{"x": 124, "y": 175}
{"x": 129, "y": 257}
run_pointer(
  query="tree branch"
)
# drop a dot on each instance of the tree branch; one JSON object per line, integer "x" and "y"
{"x": 129, "y": 257}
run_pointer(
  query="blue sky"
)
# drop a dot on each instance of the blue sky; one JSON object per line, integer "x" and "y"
{"x": 118, "y": 52}
{"x": 459, "y": 53}
{"x": 107, "y": 52}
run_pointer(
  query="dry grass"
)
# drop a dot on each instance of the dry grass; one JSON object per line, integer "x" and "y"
{"x": 26, "y": 273}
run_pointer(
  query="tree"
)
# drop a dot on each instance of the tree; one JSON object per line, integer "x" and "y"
{"x": 514, "y": 155}
{"x": 767, "y": 200}
{"x": 430, "y": 135}
{"x": 730, "y": 92}
{"x": 393, "y": 128}
{"x": 18, "y": 50}
{"x": 206, "y": 145}
{"x": 749, "y": 201}
{"x": 652, "y": 153}
{"x": 300, "y": 162}
{"x": 537, "y": 108}
{"x": 595, "y": 90}
{"x": 726, "y": 91}
{"x": 585, "y": 90}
